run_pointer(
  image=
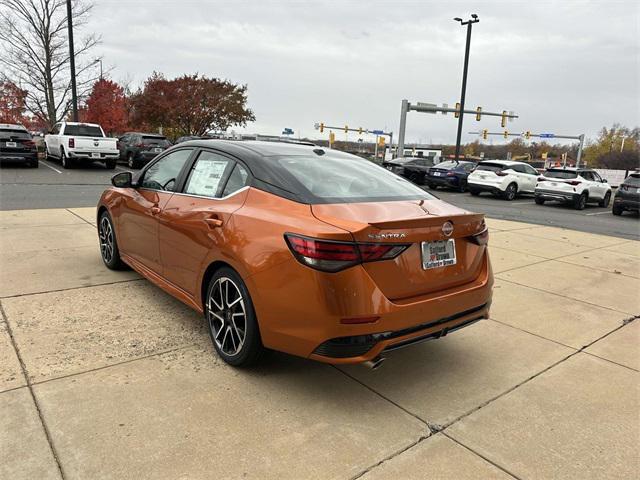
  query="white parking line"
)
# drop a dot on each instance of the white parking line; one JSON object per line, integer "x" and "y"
{"x": 47, "y": 165}
{"x": 522, "y": 203}
{"x": 598, "y": 213}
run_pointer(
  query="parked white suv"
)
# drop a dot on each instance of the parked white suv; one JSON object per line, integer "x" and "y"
{"x": 502, "y": 178}
{"x": 575, "y": 186}
{"x": 72, "y": 142}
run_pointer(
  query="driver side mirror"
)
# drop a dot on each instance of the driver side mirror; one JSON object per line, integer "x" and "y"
{"x": 604, "y": 180}
{"x": 122, "y": 180}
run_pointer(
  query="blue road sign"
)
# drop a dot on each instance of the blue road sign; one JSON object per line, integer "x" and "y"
{"x": 377, "y": 132}
{"x": 547, "y": 135}
{"x": 287, "y": 131}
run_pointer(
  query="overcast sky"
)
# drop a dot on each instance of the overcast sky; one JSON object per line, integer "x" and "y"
{"x": 566, "y": 67}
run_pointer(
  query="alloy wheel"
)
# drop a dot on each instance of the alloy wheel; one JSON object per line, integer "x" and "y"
{"x": 130, "y": 161}
{"x": 227, "y": 316}
{"x": 106, "y": 240}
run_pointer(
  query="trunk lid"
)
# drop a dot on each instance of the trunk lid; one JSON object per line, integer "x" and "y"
{"x": 95, "y": 143}
{"x": 410, "y": 222}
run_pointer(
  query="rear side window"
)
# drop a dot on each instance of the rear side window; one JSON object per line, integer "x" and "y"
{"x": 326, "y": 179}
{"x": 83, "y": 131}
{"x": 561, "y": 174}
{"x": 239, "y": 178}
{"x": 206, "y": 174}
{"x": 14, "y": 134}
{"x": 491, "y": 167}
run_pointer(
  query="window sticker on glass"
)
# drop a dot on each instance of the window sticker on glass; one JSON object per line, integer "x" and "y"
{"x": 206, "y": 176}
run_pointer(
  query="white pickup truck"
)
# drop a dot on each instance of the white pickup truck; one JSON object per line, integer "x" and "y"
{"x": 71, "y": 143}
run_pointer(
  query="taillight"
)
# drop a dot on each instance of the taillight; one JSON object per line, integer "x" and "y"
{"x": 333, "y": 256}
{"x": 481, "y": 238}
{"x": 72, "y": 143}
{"x": 574, "y": 182}
{"x": 502, "y": 174}
{"x": 29, "y": 144}
{"x": 451, "y": 174}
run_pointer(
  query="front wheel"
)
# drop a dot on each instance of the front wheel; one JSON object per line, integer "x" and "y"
{"x": 108, "y": 244}
{"x": 231, "y": 319}
{"x": 604, "y": 203}
{"x": 539, "y": 200}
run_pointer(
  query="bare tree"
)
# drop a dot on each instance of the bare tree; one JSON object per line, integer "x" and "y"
{"x": 34, "y": 54}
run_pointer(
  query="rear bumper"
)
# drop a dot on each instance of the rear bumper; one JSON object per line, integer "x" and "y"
{"x": 484, "y": 187}
{"x": 626, "y": 203}
{"x": 556, "y": 195}
{"x": 88, "y": 155}
{"x": 19, "y": 156}
{"x": 306, "y": 321}
{"x": 443, "y": 181}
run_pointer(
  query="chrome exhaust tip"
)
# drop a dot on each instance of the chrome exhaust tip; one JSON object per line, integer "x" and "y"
{"x": 375, "y": 363}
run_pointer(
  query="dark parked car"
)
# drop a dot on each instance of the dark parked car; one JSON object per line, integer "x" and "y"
{"x": 138, "y": 149}
{"x": 450, "y": 174}
{"x": 628, "y": 195}
{"x": 187, "y": 138}
{"x": 412, "y": 168}
{"x": 16, "y": 144}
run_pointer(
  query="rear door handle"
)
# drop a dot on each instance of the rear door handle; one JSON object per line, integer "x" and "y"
{"x": 155, "y": 210}
{"x": 213, "y": 222}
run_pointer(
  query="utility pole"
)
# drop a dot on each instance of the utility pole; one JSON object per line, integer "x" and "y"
{"x": 72, "y": 64}
{"x": 468, "y": 23}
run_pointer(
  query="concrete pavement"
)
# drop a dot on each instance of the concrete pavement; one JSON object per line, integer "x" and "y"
{"x": 103, "y": 375}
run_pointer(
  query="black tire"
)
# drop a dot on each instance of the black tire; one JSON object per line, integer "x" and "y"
{"x": 110, "y": 164}
{"x": 617, "y": 210}
{"x": 474, "y": 192}
{"x": 462, "y": 187}
{"x": 220, "y": 323}
{"x": 65, "y": 161}
{"x": 580, "y": 202}
{"x": 433, "y": 186}
{"x": 34, "y": 164}
{"x": 604, "y": 203}
{"x": 510, "y": 192}
{"x": 539, "y": 200}
{"x": 131, "y": 161}
{"x": 110, "y": 256}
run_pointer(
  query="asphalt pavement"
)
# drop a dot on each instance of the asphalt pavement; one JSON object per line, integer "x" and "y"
{"x": 50, "y": 186}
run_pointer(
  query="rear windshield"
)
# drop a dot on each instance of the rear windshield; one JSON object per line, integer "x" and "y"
{"x": 9, "y": 133}
{"x": 446, "y": 165}
{"x": 83, "y": 131}
{"x": 325, "y": 179}
{"x": 563, "y": 174}
{"x": 633, "y": 179}
{"x": 152, "y": 140}
{"x": 491, "y": 167}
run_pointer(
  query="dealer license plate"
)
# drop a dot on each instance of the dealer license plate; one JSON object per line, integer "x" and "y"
{"x": 11, "y": 144}
{"x": 438, "y": 254}
{"x": 95, "y": 154}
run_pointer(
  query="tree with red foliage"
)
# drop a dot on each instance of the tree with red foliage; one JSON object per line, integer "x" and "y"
{"x": 12, "y": 103}
{"x": 190, "y": 105}
{"x": 106, "y": 105}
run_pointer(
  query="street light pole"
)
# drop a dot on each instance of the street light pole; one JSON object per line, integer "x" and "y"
{"x": 72, "y": 64}
{"x": 468, "y": 23}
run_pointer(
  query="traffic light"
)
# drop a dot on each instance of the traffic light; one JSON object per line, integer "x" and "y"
{"x": 332, "y": 138}
{"x": 503, "y": 123}
{"x": 346, "y": 129}
{"x": 381, "y": 142}
{"x": 360, "y": 131}
{"x": 457, "y": 112}
{"x": 506, "y": 134}
{"x": 527, "y": 134}
{"x": 485, "y": 134}
{"x": 478, "y": 113}
{"x": 321, "y": 127}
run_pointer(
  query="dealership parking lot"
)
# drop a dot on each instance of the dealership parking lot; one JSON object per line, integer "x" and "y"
{"x": 102, "y": 375}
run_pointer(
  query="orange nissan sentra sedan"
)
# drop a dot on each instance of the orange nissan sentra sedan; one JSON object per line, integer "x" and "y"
{"x": 298, "y": 248}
